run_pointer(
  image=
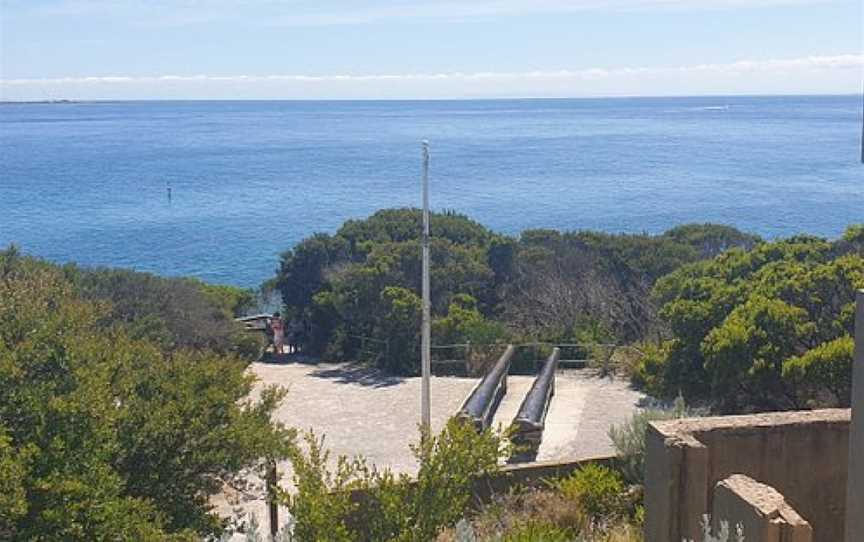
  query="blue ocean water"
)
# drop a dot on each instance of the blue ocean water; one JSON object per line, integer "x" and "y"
{"x": 87, "y": 182}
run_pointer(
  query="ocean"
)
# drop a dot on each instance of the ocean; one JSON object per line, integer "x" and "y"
{"x": 88, "y": 182}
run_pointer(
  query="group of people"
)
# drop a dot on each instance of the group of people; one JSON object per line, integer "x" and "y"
{"x": 284, "y": 337}
{"x": 276, "y": 332}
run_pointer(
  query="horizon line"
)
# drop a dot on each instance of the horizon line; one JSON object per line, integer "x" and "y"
{"x": 61, "y": 101}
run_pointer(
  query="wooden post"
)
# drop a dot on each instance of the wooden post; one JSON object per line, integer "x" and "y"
{"x": 273, "y": 505}
{"x": 855, "y": 478}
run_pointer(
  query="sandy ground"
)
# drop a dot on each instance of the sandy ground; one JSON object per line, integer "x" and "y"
{"x": 362, "y": 411}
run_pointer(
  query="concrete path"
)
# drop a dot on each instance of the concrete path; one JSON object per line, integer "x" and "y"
{"x": 584, "y": 407}
{"x": 517, "y": 388}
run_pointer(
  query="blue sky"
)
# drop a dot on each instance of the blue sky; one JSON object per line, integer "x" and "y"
{"x": 139, "y": 49}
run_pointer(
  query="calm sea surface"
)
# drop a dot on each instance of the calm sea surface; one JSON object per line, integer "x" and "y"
{"x": 87, "y": 182}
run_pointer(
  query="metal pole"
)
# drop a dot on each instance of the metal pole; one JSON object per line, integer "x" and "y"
{"x": 426, "y": 334}
{"x": 855, "y": 471}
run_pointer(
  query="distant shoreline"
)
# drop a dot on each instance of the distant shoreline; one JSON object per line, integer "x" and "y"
{"x": 421, "y": 100}
{"x": 38, "y": 102}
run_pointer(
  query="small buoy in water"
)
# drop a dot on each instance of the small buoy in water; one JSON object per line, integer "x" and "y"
{"x": 169, "y": 190}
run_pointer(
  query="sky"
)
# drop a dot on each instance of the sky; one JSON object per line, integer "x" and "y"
{"x": 426, "y": 49}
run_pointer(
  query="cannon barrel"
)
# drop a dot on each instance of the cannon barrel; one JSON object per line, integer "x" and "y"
{"x": 479, "y": 407}
{"x": 530, "y": 420}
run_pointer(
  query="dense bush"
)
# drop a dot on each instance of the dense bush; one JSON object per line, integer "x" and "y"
{"x": 390, "y": 507}
{"x": 532, "y": 531}
{"x": 592, "y": 506}
{"x": 766, "y": 328}
{"x": 628, "y": 438}
{"x": 361, "y": 282}
{"x": 106, "y": 437}
{"x": 174, "y": 313}
{"x": 599, "y": 492}
{"x": 544, "y": 285}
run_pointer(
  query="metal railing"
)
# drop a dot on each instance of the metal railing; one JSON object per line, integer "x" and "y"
{"x": 473, "y": 359}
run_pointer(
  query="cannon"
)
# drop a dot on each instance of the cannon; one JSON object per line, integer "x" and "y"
{"x": 479, "y": 408}
{"x": 530, "y": 421}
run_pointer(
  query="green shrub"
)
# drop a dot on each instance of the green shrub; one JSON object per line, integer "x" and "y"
{"x": 648, "y": 370}
{"x": 174, "y": 313}
{"x": 534, "y": 531}
{"x": 750, "y": 328}
{"x": 826, "y": 367}
{"x": 322, "y": 505}
{"x": 106, "y": 437}
{"x": 542, "y": 285}
{"x": 400, "y": 327}
{"x": 391, "y": 507}
{"x": 629, "y": 437}
{"x": 598, "y": 490}
{"x": 449, "y": 466}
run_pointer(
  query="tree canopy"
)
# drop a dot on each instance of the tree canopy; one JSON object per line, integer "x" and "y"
{"x": 106, "y": 435}
{"x": 765, "y": 328}
{"x": 174, "y": 313}
{"x": 363, "y": 281}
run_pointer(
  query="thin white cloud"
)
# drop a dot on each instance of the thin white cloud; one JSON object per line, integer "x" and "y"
{"x": 822, "y": 62}
{"x": 356, "y": 12}
{"x": 818, "y": 73}
{"x": 456, "y": 11}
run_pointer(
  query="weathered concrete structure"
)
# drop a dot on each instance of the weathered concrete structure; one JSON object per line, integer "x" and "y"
{"x": 803, "y": 455}
{"x": 803, "y": 467}
{"x": 855, "y": 484}
{"x": 760, "y": 509}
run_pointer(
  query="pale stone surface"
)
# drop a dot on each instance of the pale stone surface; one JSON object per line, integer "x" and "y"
{"x": 760, "y": 509}
{"x": 584, "y": 407}
{"x": 855, "y": 483}
{"x": 803, "y": 455}
{"x": 517, "y": 388}
{"x": 362, "y": 411}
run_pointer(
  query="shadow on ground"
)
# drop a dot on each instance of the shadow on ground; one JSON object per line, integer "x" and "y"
{"x": 271, "y": 358}
{"x": 357, "y": 374}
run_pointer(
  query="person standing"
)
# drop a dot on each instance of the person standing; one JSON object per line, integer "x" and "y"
{"x": 278, "y": 328}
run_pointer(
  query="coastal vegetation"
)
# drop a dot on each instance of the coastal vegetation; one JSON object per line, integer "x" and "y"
{"x": 111, "y": 426}
{"x": 768, "y": 328}
{"x": 357, "y": 501}
{"x": 174, "y": 313}
{"x": 450, "y": 499}
{"x": 541, "y": 286}
{"x": 722, "y": 317}
{"x": 125, "y": 400}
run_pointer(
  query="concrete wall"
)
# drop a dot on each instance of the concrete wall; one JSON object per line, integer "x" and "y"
{"x": 803, "y": 455}
{"x": 760, "y": 509}
{"x": 855, "y": 485}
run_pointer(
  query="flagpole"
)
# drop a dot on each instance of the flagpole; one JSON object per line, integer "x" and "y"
{"x": 425, "y": 362}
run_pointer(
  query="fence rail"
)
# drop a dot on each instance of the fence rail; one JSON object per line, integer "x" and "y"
{"x": 461, "y": 359}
